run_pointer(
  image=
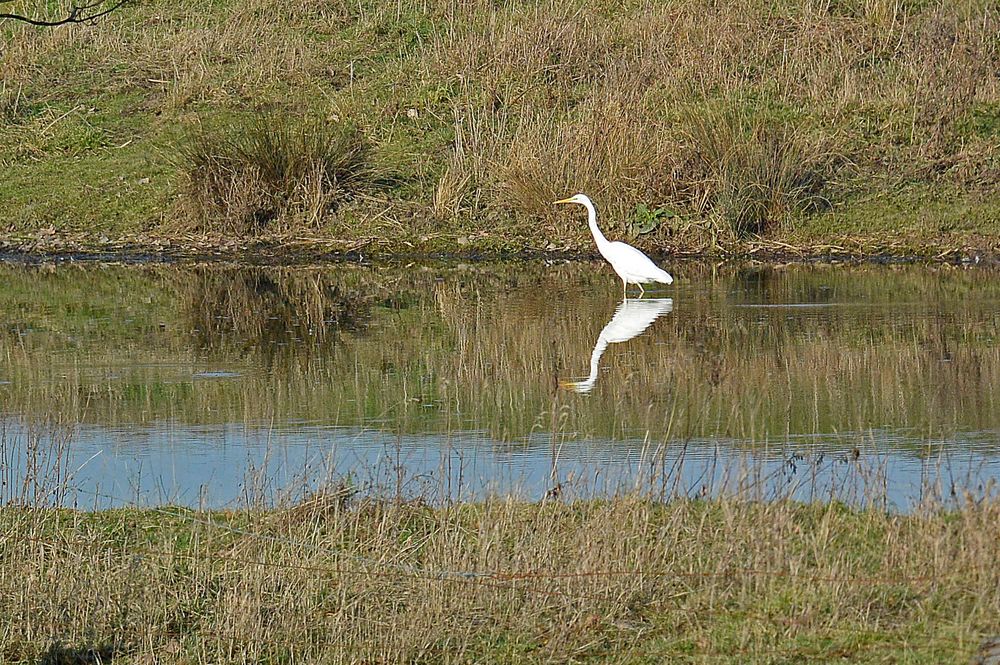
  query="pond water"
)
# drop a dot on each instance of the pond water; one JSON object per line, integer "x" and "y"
{"x": 222, "y": 385}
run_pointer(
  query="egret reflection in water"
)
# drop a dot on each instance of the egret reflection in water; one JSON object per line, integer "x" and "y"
{"x": 631, "y": 318}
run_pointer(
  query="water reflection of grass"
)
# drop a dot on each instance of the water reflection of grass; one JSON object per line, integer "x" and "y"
{"x": 264, "y": 312}
{"x": 483, "y": 347}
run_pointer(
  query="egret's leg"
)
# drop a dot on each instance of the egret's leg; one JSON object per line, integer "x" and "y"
{"x": 624, "y": 289}
{"x": 642, "y": 291}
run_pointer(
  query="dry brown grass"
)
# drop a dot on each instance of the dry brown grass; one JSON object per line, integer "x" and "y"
{"x": 270, "y": 173}
{"x": 519, "y": 103}
{"x": 501, "y": 581}
{"x": 625, "y": 105}
{"x": 610, "y": 152}
{"x": 757, "y": 172}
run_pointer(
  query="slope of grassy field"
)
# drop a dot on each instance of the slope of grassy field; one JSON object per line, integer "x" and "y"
{"x": 867, "y": 125}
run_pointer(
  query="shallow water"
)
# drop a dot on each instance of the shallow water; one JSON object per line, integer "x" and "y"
{"x": 220, "y": 385}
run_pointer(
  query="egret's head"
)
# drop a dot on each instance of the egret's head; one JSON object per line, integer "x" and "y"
{"x": 582, "y": 387}
{"x": 582, "y": 199}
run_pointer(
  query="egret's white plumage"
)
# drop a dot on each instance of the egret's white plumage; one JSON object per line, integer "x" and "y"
{"x": 632, "y": 266}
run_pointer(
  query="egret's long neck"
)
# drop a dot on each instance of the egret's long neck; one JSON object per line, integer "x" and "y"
{"x": 599, "y": 238}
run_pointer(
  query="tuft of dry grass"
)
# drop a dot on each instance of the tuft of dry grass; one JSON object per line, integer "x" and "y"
{"x": 610, "y": 150}
{"x": 270, "y": 173}
{"x": 12, "y": 102}
{"x": 755, "y": 172}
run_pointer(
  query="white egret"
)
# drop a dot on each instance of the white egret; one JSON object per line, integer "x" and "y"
{"x": 632, "y": 266}
{"x": 630, "y": 320}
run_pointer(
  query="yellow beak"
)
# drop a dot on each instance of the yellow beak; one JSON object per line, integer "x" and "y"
{"x": 563, "y": 201}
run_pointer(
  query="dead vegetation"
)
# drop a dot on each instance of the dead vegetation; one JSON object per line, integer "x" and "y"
{"x": 364, "y": 580}
{"x": 742, "y": 112}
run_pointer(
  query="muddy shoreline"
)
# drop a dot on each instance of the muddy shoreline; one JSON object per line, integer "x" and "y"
{"x": 293, "y": 251}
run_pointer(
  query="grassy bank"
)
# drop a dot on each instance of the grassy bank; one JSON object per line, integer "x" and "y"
{"x": 627, "y": 580}
{"x": 429, "y": 125}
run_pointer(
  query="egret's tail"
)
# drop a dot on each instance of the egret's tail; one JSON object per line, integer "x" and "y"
{"x": 665, "y": 278}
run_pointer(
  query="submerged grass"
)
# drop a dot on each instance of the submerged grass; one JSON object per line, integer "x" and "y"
{"x": 732, "y": 118}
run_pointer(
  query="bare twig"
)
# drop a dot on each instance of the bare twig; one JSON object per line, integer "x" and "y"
{"x": 77, "y": 14}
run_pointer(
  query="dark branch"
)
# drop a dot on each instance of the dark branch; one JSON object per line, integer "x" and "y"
{"x": 77, "y": 14}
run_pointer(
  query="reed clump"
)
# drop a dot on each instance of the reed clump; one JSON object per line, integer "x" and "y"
{"x": 754, "y": 173}
{"x": 270, "y": 173}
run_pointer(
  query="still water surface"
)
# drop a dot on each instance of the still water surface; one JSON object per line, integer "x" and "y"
{"x": 218, "y": 385}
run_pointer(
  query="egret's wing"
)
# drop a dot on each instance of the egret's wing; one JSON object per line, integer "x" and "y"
{"x": 628, "y": 259}
{"x": 634, "y": 316}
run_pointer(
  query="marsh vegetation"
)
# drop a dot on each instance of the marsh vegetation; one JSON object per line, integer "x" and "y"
{"x": 630, "y": 580}
{"x": 759, "y": 554}
{"x": 693, "y": 124}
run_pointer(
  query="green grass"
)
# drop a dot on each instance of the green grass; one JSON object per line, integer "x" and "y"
{"x": 88, "y": 169}
{"x": 99, "y": 194}
{"x": 921, "y": 218}
{"x": 478, "y": 115}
